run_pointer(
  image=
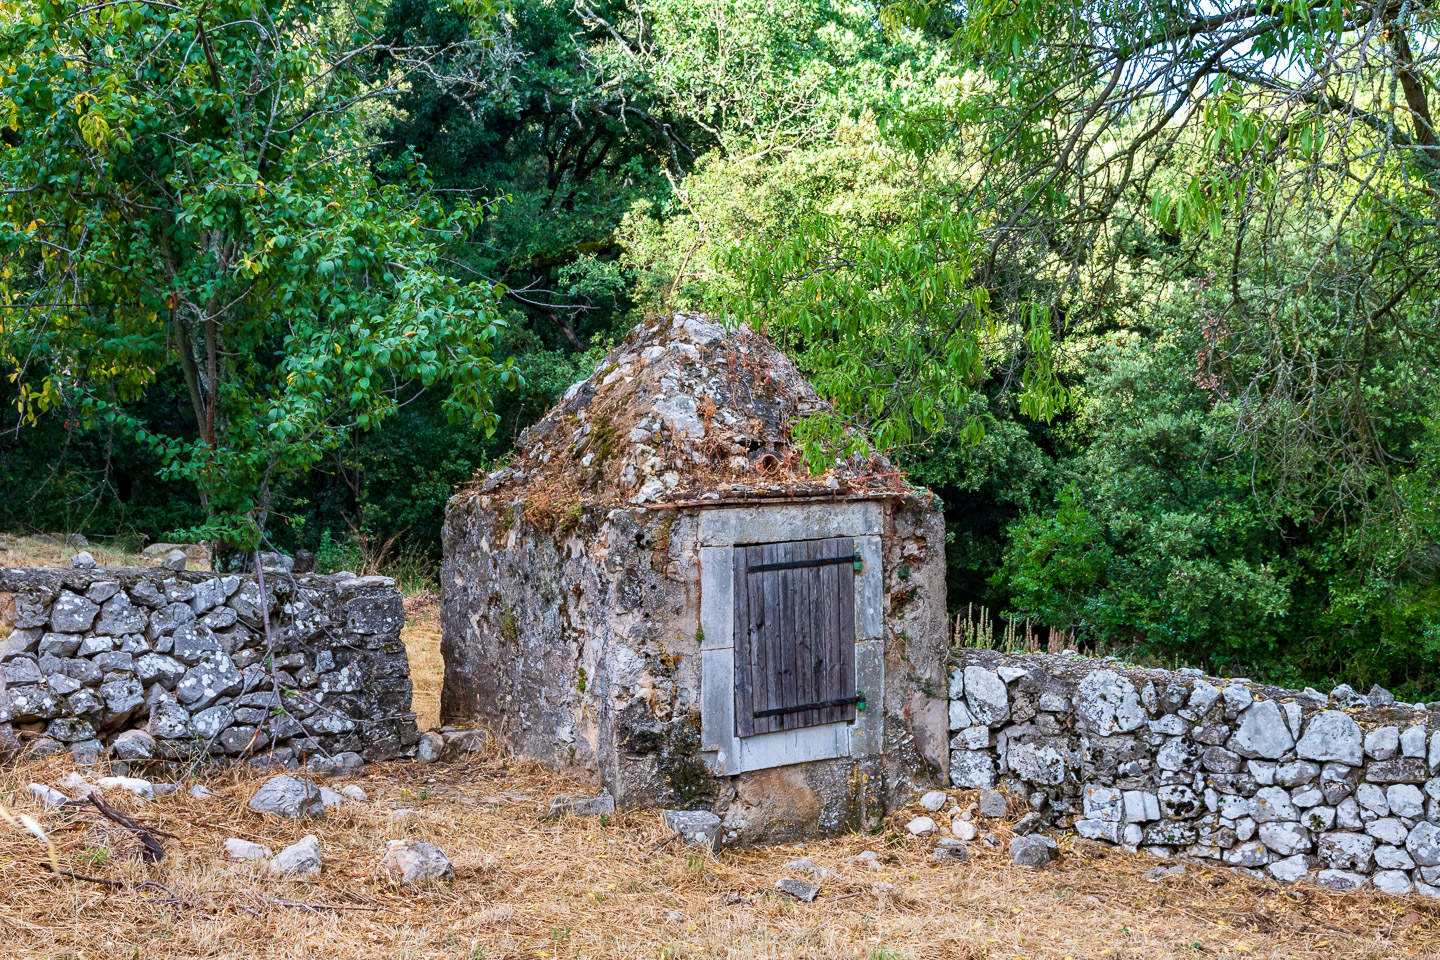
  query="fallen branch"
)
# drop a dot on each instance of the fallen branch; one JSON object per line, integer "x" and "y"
{"x": 656, "y": 848}
{"x": 153, "y": 852}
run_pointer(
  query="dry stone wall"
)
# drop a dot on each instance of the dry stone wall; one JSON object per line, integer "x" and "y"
{"x": 145, "y": 664}
{"x": 1342, "y": 788}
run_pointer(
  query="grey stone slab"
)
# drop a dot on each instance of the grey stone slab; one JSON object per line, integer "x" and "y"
{"x": 717, "y": 597}
{"x": 727, "y": 526}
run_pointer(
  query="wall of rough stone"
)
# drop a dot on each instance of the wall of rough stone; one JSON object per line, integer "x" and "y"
{"x": 1342, "y": 789}
{"x": 580, "y": 645}
{"x": 145, "y": 663}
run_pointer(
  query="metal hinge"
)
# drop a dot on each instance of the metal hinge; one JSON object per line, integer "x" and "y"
{"x": 816, "y": 562}
{"x": 858, "y": 700}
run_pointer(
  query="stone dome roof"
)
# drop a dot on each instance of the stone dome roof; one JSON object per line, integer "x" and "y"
{"x": 683, "y": 410}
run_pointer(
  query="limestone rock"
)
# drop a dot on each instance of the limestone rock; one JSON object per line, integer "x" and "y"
{"x": 42, "y": 747}
{"x": 118, "y": 616}
{"x": 72, "y": 613}
{"x": 209, "y": 722}
{"x": 1035, "y": 850}
{"x": 1263, "y": 732}
{"x": 799, "y": 889}
{"x": 1098, "y": 830}
{"x": 934, "y": 800}
{"x": 582, "y": 805}
{"x": 429, "y": 748}
{"x": 950, "y": 851}
{"x": 1296, "y": 773}
{"x": 413, "y": 861}
{"x": 299, "y": 860}
{"x": 992, "y": 803}
{"x": 1272, "y": 804}
{"x": 971, "y": 768}
{"x": 985, "y": 696}
{"x": 1103, "y": 803}
{"x": 192, "y": 643}
{"x": 1406, "y": 800}
{"x": 159, "y": 668}
{"x": 1141, "y": 806}
{"x": 1332, "y": 735}
{"x": 1252, "y": 854}
{"x": 286, "y": 796}
{"x": 69, "y": 730}
{"x": 169, "y": 720}
{"x": 461, "y": 743}
{"x": 1390, "y": 830}
{"x": 20, "y": 670}
{"x": 1382, "y": 744}
{"x": 140, "y": 788}
{"x": 1393, "y": 858}
{"x": 237, "y": 849}
{"x": 1340, "y": 880}
{"x": 87, "y": 753}
{"x": 1038, "y": 763}
{"x": 207, "y": 682}
{"x": 1289, "y": 869}
{"x": 1423, "y": 844}
{"x": 25, "y": 704}
{"x": 48, "y": 797}
{"x": 920, "y": 827}
{"x": 9, "y": 743}
{"x": 699, "y": 827}
{"x": 1393, "y": 882}
{"x": 1108, "y": 703}
{"x": 1412, "y": 741}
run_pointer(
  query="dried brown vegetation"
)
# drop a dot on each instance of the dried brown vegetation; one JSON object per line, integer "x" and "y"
{"x": 528, "y": 887}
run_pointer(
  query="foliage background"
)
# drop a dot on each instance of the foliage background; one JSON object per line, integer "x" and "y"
{"x": 820, "y": 170}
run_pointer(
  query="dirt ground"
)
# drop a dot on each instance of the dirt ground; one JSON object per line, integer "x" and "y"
{"x": 615, "y": 887}
{"x": 528, "y": 887}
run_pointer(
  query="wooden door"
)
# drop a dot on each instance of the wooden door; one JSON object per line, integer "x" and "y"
{"x": 794, "y": 634}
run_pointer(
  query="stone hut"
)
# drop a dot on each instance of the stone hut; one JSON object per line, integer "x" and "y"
{"x": 656, "y": 591}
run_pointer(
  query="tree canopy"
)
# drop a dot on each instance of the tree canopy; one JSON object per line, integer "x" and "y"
{"x": 183, "y": 188}
{"x": 1147, "y": 293}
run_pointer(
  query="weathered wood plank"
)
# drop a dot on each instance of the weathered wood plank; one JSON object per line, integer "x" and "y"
{"x": 774, "y": 644}
{"x": 804, "y": 636}
{"x": 828, "y": 629}
{"x": 744, "y": 668}
{"x": 790, "y": 593}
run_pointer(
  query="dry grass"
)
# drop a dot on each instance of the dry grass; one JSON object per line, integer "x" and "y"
{"x": 16, "y": 551}
{"x": 529, "y": 888}
{"x": 421, "y": 636}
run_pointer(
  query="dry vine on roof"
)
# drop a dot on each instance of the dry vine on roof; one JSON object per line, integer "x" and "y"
{"x": 684, "y": 410}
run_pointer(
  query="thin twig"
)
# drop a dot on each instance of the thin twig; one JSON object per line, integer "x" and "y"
{"x": 80, "y": 876}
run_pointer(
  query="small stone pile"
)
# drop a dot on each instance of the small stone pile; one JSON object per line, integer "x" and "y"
{"x": 149, "y": 664}
{"x": 1343, "y": 789}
